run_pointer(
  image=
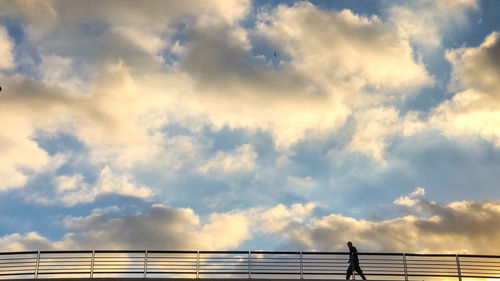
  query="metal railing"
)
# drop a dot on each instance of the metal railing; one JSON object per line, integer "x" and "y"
{"x": 242, "y": 264}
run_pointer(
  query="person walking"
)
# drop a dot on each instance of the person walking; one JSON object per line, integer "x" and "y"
{"x": 353, "y": 262}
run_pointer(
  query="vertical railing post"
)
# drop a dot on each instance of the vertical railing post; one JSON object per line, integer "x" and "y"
{"x": 249, "y": 265}
{"x": 301, "y": 267}
{"x": 146, "y": 264}
{"x": 458, "y": 269}
{"x": 405, "y": 267}
{"x": 92, "y": 261}
{"x": 353, "y": 271}
{"x": 37, "y": 264}
{"x": 197, "y": 264}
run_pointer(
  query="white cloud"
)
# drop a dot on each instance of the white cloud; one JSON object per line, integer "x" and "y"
{"x": 103, "y": 81}
{"x": 111, "y": 183}
{"x": 410, "y": 200}
{"x": 457, "y": 227}
{"x": 56, "y": 70}
{"x": 16, "y": 155}
{"x": 377, "y": 126}
{"x": 72, "y": 190}
{"x": 337, "y": 46}
{"x": 21, "y": 155}
{"x": 225, "y": 231}
{"x": 301, "y": 182}
{"x": 419, "y": 26}
{"x": 475, "y": 109}
{"x": 45, "y": 15}
{"x": 419, "y": 191}
{"x": 27, "y": 106}
{"x": 477, "y": 67}
{"x": 6, "y": 50}
{"x": 144, "y": 39}
{"x": 425, "y": 21}
{"x": 96, "y": 118}
{"x": 68, "y": 182}
{"x": 242, "y": 159}
{"x": 315, "y": 91}
{"x": 114, "y": 99}
{"x": 340, "y": 55}
{"x": 277, "y": 218}
{"x": 161, "y": 227}
{"x": 120, "y": 110}
{"x": 20, "y": 242}
{"x": 373, "y": 127}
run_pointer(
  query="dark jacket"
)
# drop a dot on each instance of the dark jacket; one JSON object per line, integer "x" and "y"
{"x": 353, "y": 255}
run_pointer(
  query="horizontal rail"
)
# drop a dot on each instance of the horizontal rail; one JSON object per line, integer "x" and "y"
{"x": 240, "y": 264}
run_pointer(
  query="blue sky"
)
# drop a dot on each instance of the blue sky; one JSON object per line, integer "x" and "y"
{"x": 173, "y": 125}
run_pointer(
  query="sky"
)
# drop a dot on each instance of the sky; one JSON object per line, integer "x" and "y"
{"x": 250, "y": 125}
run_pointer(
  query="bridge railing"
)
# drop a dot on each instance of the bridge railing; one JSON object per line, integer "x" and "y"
{"x": 243, "y": 264}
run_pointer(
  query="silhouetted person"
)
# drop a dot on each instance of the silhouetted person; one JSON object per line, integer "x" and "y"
{"x": 353, "y": 262}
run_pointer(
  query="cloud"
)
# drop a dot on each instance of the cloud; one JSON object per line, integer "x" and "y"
{"x": 20, "y": 242}
{"x": 135, "y": 33}
{"x": 96, "y": 118}
{"x": 119, "y": 119}
{"x": 328, "y": 61}
{"x": 372, "y": 129}
{"x": 424, "y": 21}
{"x": 45, "y": 15}
{"x": 377, "y": 127}
{"x": 20, "y": 160}
{"x": 410, "y": 199}
{"x": 240, "y": 160}
{"x": 6, "y": 50}
{"x": 71, "y": 190}
{"x": 68, "y": 182}
{"x": 27, "y": 105}
{"x": 475, "y": 109}
{"x": 90, "y": 85}
{"x": 235, "y": 228}
{"x": 339, "y": 46}
{"x": 345, "y": 59}
{"x": 56, "y": 70}
{"x": 140, "y": 85}
{"x": 115, "y": 99}
{"x": 477, "y": 67}
{"x": 301, "y": 182}
{"x": 456, "y": 227}
{"x": 277, "y": 218}
{"x": 161, "y": 227}
{"x": 231, "y": 88}
{"x": 333, "y": 66}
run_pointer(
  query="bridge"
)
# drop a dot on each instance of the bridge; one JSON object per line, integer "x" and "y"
{"x": 231, "y": 265}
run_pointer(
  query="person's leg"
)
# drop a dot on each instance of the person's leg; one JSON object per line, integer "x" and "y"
{"x": 360, "y": 272}
{"x": 349, "y": 272}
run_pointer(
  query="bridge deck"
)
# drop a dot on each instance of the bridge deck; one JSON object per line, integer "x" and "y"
{"x": 190, "y": 279}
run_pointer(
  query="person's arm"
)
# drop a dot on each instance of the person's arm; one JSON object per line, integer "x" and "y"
{"x": 355, "y": 255}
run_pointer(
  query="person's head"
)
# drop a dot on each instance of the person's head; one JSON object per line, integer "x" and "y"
{"x": 349, "y": 244}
